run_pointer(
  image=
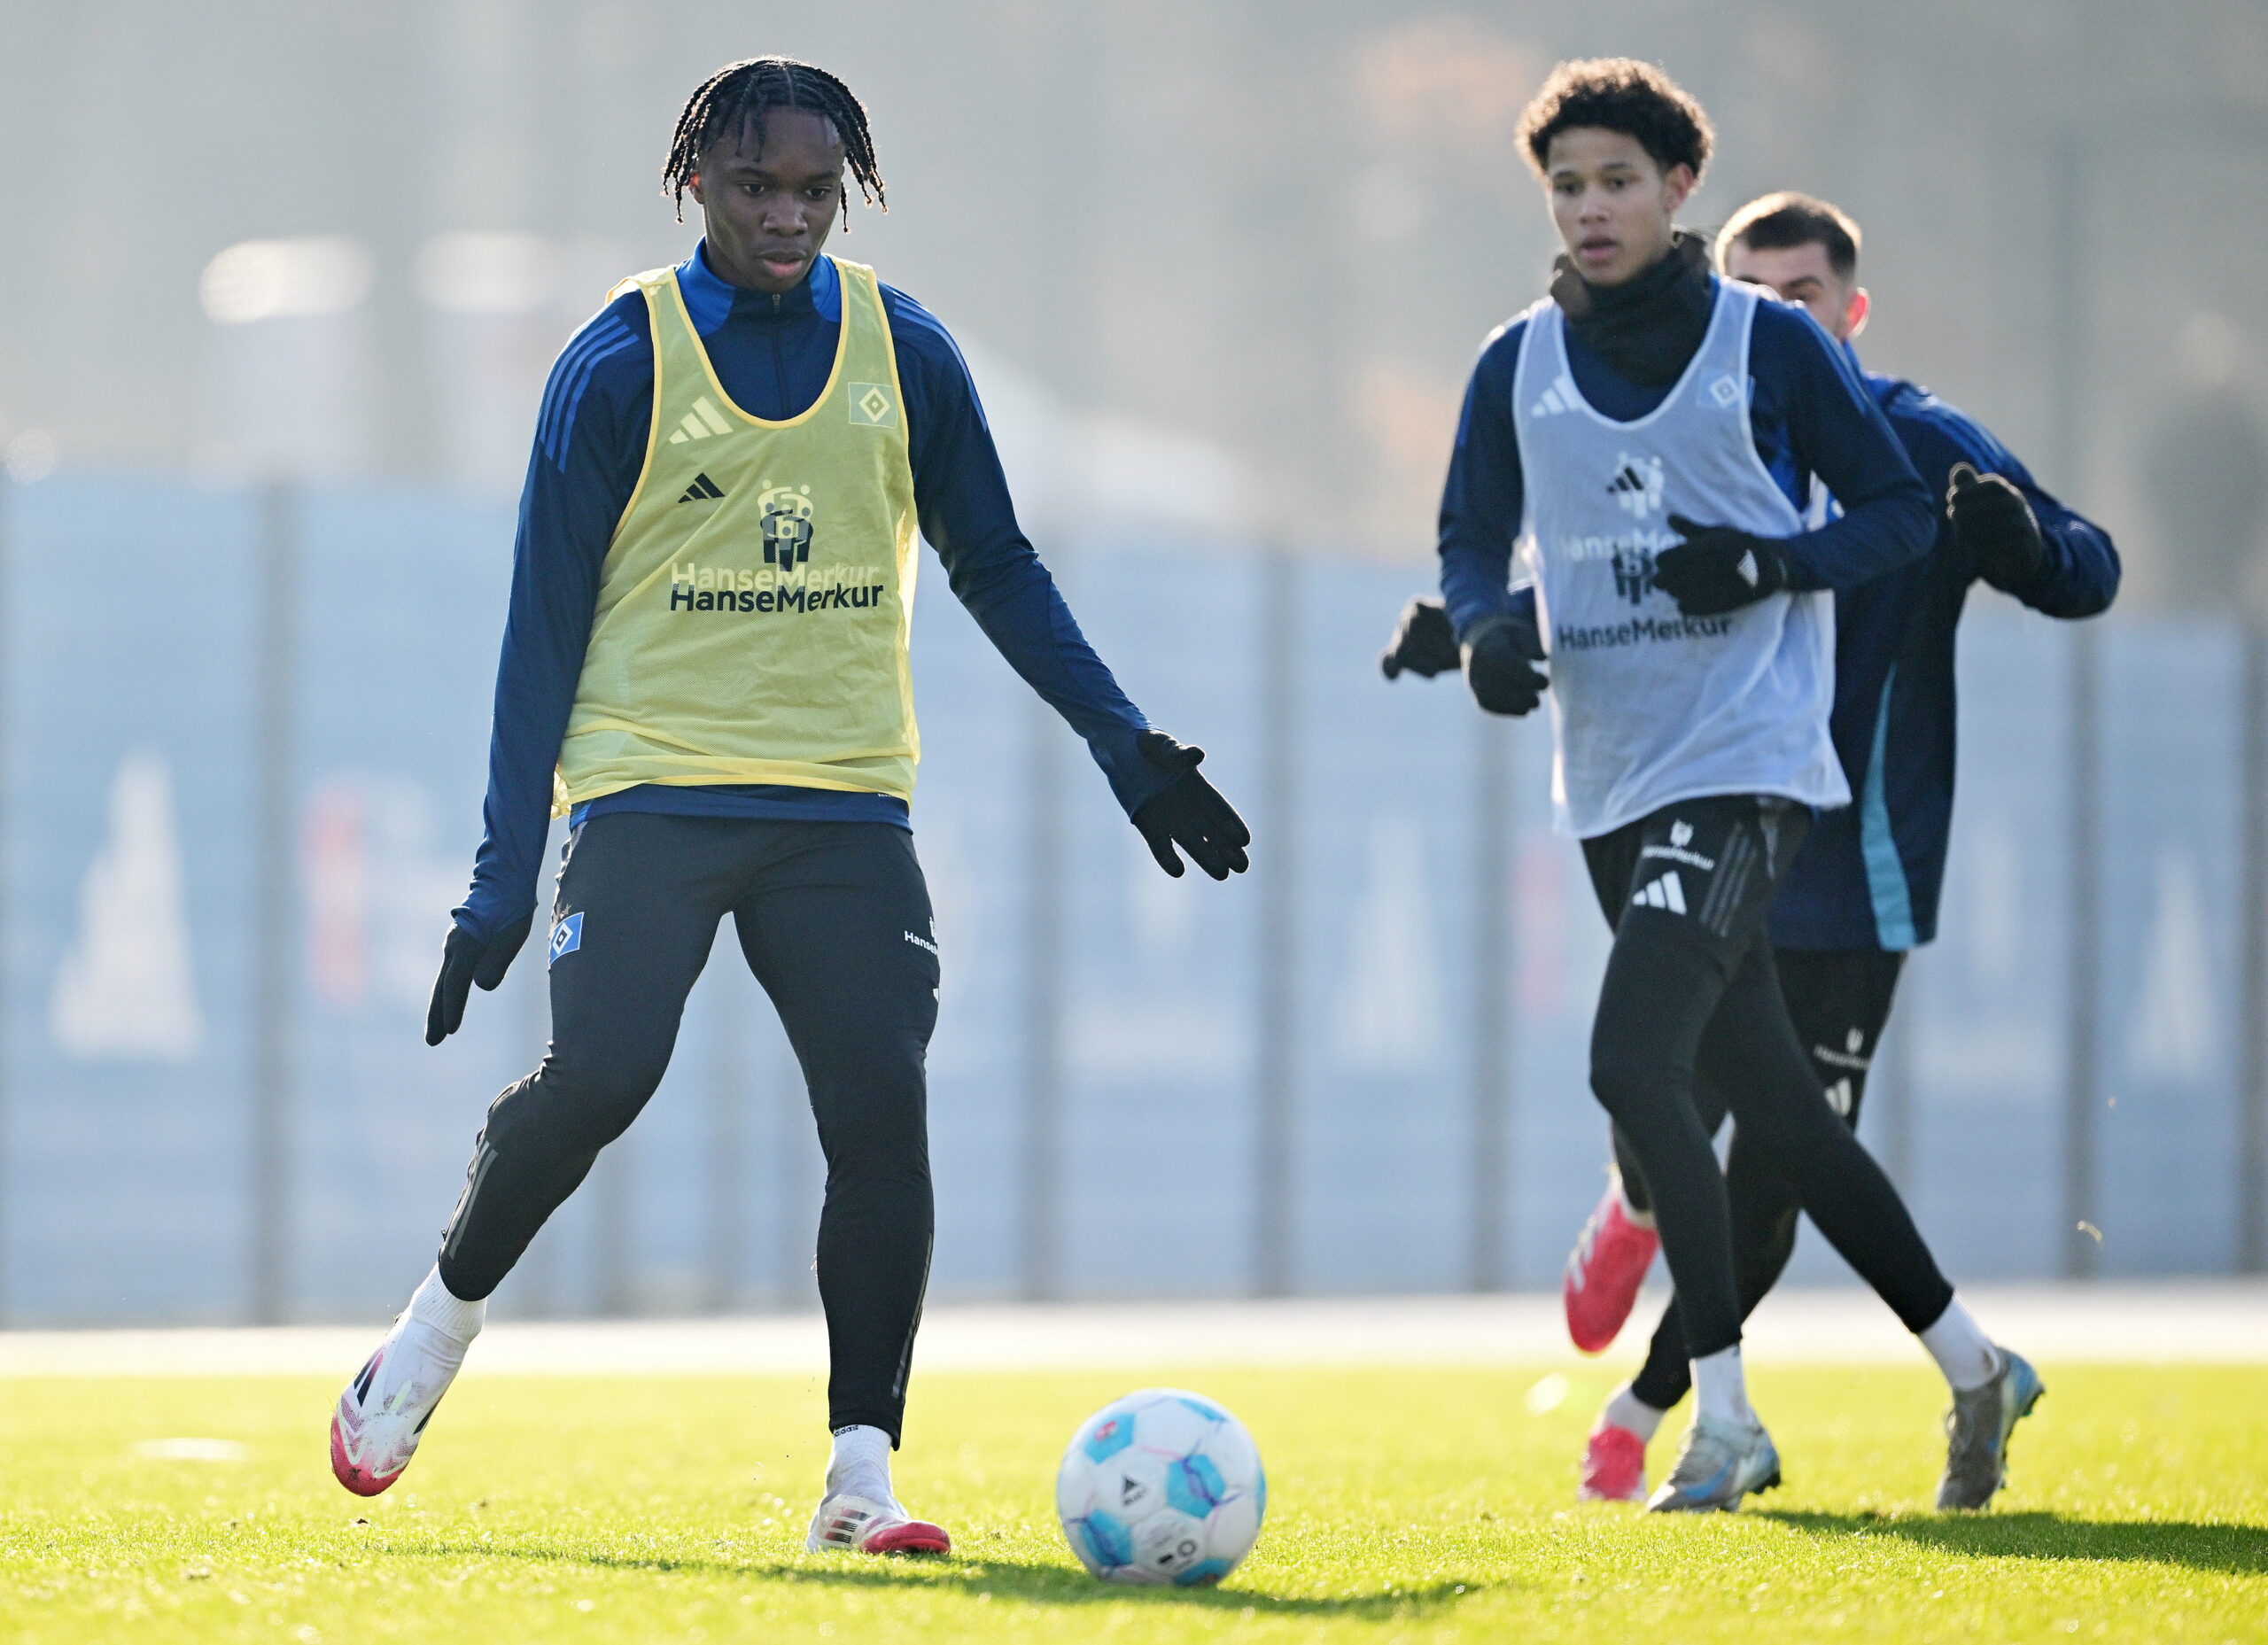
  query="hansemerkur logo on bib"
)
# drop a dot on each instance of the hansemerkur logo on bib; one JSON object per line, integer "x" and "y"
{"x": 786, "y": 582}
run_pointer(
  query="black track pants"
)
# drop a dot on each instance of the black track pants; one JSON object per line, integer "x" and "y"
{"x": 834, "y": 919}
{"x": 1691, "y": 993}
{"x": 1838, "y": 1001}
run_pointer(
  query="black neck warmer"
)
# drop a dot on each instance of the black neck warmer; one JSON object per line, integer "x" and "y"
{"x": 1648, "y": 327}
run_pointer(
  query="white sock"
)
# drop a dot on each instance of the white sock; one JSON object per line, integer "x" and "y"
{"x": 435, "y": 1306}
{"x": 1720, "y": 1388}
{"x": 1962, "y": 1351}
{"x": 1626, "y": 1409}
{"x": 1630, "y": 1213}
{"x": 859, "y": 1464}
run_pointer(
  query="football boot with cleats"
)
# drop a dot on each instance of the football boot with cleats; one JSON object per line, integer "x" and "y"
{"x": 1614, "y": 1466}
{"x": 1977, "y": 1429}
{"x": 1603, "y": 1273}
{"x": 1720, "y": 1464}
{"x": 860, "y": 1524}
{"x": 382, "y": 1415}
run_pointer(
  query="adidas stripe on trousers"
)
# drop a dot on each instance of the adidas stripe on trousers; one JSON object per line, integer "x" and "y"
{"x": 1692, "y": 993}
{"x": 834, "y": 919}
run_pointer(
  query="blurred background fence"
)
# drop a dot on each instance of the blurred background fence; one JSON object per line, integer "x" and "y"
{"x": 242, "y": 743}
{"x": 1221, "y": 267}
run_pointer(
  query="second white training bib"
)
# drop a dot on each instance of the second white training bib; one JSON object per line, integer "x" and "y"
{"x": 1649, "y": 707}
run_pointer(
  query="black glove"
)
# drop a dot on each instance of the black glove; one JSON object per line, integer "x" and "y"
{"x": 465, "y": 960}
{"x": 1994, "y": 526}
{"x": 1423, "y": 641}
{"x": 1500, "y": 658}
{"x": 1189, "y": 812}
{"x": 1717, "y": 569}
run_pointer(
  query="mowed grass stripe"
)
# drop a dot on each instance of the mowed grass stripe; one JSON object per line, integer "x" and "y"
{"x": 1420, "y": 1504}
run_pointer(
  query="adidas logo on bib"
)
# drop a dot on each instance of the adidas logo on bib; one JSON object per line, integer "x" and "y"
{"x": 1668, "y": 892}
{"x": 704, "y": 421}
{"x": 703, "y": 490}
{"x": 1561, "y": 395}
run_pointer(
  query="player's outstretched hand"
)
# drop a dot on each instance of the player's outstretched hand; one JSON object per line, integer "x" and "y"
{"x": 1994, "y": 526}
{"x": 1423, "y": 642}
{"x": 467, "y": 959}
{"x": 1718, "y": 569}
{"x": 1500, "y": 658}
{"x": 1189, "y": 812}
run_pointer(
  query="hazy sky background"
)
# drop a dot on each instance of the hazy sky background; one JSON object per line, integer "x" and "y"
{"x": 1218, "y": 263}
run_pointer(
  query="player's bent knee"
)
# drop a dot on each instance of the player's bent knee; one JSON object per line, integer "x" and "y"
{"x": 882, "y": 1084}
{"x": 1629, "y": 1080}
{"x": 580, "y": 1107}
{"x": 858, "y": 1148}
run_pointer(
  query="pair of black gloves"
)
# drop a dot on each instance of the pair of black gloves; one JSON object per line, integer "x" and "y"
{"x": 1187, "y": 811}
{"x": 1717, "y": 569}
{"x": 1498, "y": 658}
{"x": 1714, "y": 570}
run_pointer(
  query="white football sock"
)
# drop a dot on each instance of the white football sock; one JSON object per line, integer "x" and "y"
{"x": 1630, "y": 1213}
{"x": 433, "y": 1305}
{"x": 859, "y": 1464}
{"x": 1962, "y": 1351}
{"x": 1626, "y": 1409}
{"x": 1720, "y": 1388}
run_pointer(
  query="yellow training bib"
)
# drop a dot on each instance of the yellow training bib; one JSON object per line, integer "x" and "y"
{"x": 753, "y": 613}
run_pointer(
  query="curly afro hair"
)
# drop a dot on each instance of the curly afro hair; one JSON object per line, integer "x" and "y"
{"x": 1618, "y": 94}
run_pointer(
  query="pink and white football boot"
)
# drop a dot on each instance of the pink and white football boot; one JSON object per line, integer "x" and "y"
{"x": 383, "y": 1413}
{"x": 859, "y": 1513}
{"x": 1603, "y": 1273}
{"x": 860, "y": 1525}
{"x": 1614, "y": 1466}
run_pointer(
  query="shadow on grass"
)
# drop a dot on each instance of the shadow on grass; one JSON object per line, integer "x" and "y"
{"x": 1027, "y": 1580}
{"x": 2243, "y": 1550}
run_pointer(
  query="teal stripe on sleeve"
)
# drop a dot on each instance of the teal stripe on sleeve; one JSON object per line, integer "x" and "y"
{"x": 1886, "y": 873}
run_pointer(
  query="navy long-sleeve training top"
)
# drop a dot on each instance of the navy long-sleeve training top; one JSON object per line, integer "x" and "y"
{"x": 1811, "y": 414}
{"x": 1868, "y": 876}
{"x": 774, "y": 355}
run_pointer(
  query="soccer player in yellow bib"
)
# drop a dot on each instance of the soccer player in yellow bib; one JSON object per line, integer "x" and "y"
{"x": 705, "y": 670}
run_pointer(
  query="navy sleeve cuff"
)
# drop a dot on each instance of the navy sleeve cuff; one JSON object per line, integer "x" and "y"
{"x": 1133, "y": 779}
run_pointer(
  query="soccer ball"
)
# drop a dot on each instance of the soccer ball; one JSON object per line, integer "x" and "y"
{"x": 1161, "y": 1486}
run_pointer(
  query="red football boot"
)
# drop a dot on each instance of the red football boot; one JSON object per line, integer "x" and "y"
{"x": 1605, "y": 1271}
{"x": 1614, "y": 1466}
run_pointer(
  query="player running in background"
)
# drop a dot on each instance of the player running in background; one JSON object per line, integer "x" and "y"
{"x": 1864, "y": 889}
{"x": 705, "y": 658}
{"x": 1647, "y": 435}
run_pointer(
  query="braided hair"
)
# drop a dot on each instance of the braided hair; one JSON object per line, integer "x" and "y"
{"x": 722, "y": 105}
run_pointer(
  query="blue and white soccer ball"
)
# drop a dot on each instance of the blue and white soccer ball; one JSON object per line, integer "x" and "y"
{"x": 1161, "y": 1486}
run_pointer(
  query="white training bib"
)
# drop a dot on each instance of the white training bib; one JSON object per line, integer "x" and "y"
{"x": 1649, "y": 707}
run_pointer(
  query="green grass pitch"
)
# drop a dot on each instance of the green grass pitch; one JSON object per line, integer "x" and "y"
{"x": 1418, "y": 1504}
